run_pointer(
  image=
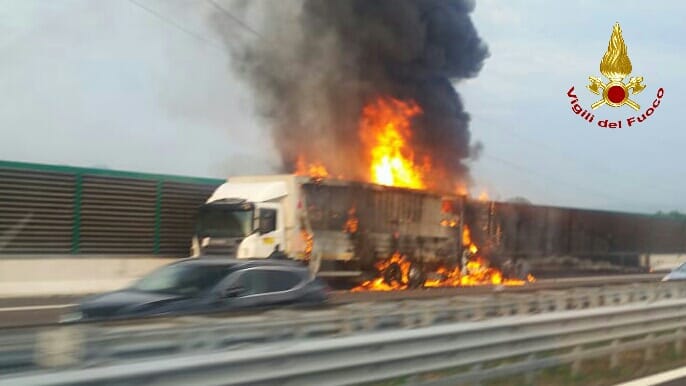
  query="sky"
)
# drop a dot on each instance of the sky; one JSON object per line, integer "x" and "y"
{"x": 145, "y": 85}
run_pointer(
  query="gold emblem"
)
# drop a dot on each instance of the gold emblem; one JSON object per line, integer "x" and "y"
{"x": 616, "y": 65}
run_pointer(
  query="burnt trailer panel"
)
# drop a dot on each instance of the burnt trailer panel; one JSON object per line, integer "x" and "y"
{"x": 380, "y": 210}
{"x": 582, "y": 237}
{"x": 387, "y": 220}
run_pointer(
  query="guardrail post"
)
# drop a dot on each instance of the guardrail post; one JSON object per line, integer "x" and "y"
{"x": 615, "y": 356}
{"x": 561, "y": 301}
{"x": 679, "y": 343}
{"x": 659, "y": 294}
{"x": 594, "y": 298}
{"x": 618, "y": 296}
{"x": 369, "y": 322}
{"x": 427, "y": 318}
{"x": 624, "y": 296}
{"x": 576, "y": 365}
{"x": 530, "y": 376}
{"x": 523, "y": 306}
{"x": 681, "y": 291}
{"x": 650, "y": 350}
{"x": 476, "y": 369}
{"x": 408, "y": 320}
{"x": 346, "y": 325}
{"x": 478, "y": 312}
{"x": 655, "y": 293}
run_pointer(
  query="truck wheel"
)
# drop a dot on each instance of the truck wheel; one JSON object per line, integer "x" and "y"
{"x": 522, "y": 269}
{"x": 508, "y": 269}
{"x": 393, "y": 274}
{"x": 416, "y": 276}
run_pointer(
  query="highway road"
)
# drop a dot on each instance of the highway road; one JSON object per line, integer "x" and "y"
{"x": 43, "y": 311}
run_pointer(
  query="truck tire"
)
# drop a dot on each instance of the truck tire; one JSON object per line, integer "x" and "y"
{"x": 393, "y": 274}
{"x": 416, "y": 276}
{"x": 508, "y": 269}
{"x": 522, "y": 269}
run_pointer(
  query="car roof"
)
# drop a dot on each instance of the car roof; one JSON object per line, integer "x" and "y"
{"x": 239, "y": 263}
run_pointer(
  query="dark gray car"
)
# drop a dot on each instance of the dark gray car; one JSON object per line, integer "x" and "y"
{"x": 204, "y": 285}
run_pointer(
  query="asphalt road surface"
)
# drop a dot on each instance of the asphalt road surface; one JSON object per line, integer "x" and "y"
{"x": 22, "y": 312}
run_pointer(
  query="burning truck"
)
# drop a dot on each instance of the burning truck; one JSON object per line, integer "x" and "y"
{"x": 382, "y": 237}
{"x": 360, "y": 102}
{"x": 383, "y": 221}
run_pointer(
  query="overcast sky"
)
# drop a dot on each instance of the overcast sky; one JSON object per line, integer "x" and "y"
{"x": 146, "y": 86}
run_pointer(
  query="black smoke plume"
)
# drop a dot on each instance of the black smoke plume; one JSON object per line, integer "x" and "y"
{"x": 316, "y": 63}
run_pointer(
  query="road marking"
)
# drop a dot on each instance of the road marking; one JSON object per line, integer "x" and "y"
{"x": 36, "y": 308}
{"x": 657, "y": 379}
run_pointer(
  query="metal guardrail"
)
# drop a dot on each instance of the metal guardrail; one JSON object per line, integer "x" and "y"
{"x": 432, "y": 356}
{"x": 96, "y": 345}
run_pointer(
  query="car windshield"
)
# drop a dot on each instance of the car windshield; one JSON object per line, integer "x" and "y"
{"x": 186, "y": 280}
{"x": 224, "y": 222}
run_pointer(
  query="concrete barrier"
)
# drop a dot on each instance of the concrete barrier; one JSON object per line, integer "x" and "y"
{"x": 38, "y": 276}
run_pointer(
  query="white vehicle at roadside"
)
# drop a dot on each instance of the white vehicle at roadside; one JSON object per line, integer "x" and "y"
{"x": 678, "y": 273}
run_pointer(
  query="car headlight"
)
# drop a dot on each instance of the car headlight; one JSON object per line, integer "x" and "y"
{"x": 71, "y": 317}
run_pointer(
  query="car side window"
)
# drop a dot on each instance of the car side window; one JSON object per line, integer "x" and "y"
{"x": 282, "y": 280}
{"x": 253, "y": 281}
{"x": 259, "y": 281}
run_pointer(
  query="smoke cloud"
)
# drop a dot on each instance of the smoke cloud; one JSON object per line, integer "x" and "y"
{"x": 316, "y": 63}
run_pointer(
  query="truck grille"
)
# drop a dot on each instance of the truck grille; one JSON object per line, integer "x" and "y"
{"x": 224, "y": 247}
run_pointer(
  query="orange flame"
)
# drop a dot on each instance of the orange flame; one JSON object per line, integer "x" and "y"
{"x": 402, "y": 270}
{"x": 385, "y": 131}
{"x": 452, "y": 223}
{"x": 477, "y": 272}
{"x": 315, "y": 170}
{"x": 352, "y": 224}
{"x": 461, "y": 190}
{"x": 309, "y": 242}
{"x": 466, "y": 237}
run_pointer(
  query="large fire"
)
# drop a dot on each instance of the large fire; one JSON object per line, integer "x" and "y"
{"x": 476, "y": 271}
{"x": 385, "y": 131}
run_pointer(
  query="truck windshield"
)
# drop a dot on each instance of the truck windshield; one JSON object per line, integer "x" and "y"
{"x": 224, "y": 222}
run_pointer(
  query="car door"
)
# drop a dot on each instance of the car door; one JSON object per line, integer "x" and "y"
{"x": 267, "y": 286}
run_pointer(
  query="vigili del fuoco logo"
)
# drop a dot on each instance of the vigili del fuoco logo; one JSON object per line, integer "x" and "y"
{"x": 615, "y": 66}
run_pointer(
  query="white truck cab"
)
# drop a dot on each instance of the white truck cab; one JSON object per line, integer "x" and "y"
{"x": 248, "y": 218}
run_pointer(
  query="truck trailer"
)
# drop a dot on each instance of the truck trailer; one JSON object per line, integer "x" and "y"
{"x": 339, "y": 228}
